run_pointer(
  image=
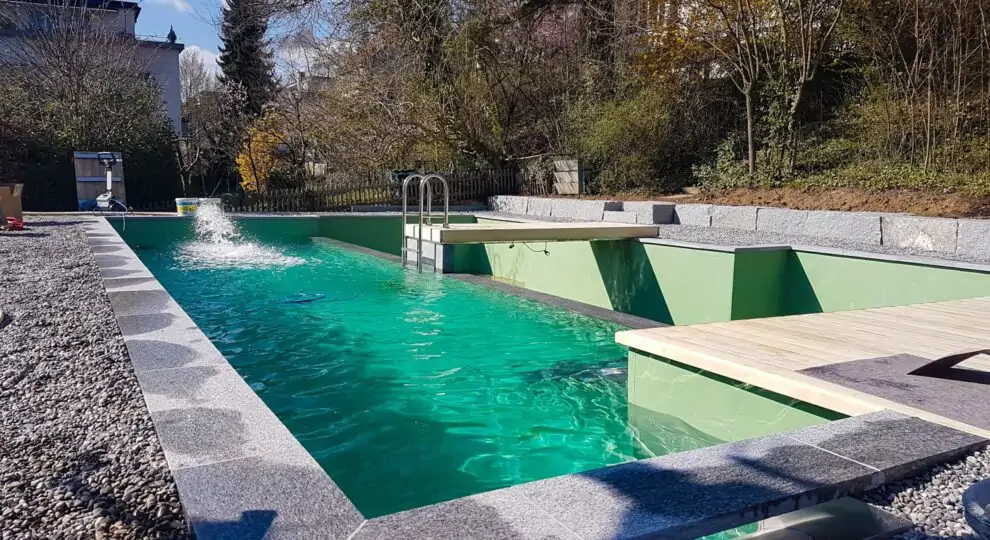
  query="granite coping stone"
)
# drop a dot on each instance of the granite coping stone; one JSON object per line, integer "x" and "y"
{"x": 878, "y": 440}
{"x": 734, "y": 217}
{"x": 276, "y": 496}
{"x": 620, "y": 216}
{"x": 205, "y": 414}
{"x": 650, "y": 212}
{"x": 241, "y": 473}
{"x": 973, "y": 237}
{"x": 928, "y": 234}
{"x": 505, "y": 514}
{"x": 693, "y": 214}
{"x": 140, "y": 302}
{"x": 692, "y": 494}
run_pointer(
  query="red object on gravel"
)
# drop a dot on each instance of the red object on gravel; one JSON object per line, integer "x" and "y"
{"x": 15, "y": 224}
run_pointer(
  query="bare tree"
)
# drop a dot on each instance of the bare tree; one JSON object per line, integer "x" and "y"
{"x": 806, "y": 30}
{"x": 194, "y": 75}
{"x": 738, "y": 31}
{"x": 83, "y": 66}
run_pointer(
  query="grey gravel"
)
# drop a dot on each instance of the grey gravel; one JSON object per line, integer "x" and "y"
{"x": 739, "y": 238}
{"x": 736, "y": 237}
{"x": 932, "y": 501}
{"x": 79, "y": 457}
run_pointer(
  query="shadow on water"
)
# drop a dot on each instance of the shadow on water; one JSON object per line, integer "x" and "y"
{"x": 630, "y": 280}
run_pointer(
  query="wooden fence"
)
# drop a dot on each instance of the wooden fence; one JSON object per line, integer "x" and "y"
{"x": 341, "y": 193}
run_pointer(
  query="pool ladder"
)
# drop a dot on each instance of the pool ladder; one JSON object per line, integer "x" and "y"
{"x": 425, "y": 192}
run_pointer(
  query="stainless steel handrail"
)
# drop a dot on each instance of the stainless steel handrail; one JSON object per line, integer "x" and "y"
{"x": 426, "y": 189}
{"x": 405, "y": 205}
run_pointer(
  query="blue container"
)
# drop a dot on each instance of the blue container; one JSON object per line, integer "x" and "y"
{"x": 976, "y": 507}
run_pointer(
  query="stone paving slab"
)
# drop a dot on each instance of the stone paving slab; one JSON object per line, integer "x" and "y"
{"x": 582, "y": 210}
{"x": 691, "y": 494}
{"x": 276, "y": 496}
{"x": 887, "y": 448}
{"x": 928, "y": 234}
{"x": 620, "y": 217}
{"x": 650, "y": 213}
{"x": 699, "y": 215}
{"x": 860, "y": 227}
{"x": 973, "y": 237}
{"x": 497, "y": 515}
{"x": 734, "y": 217}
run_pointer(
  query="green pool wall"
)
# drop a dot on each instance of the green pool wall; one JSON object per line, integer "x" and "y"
{"x": 663, "y": 283}
{"x": 665, "y": 393}
{"x": 689, "y": 284}
{"x": 820, "y": 282}
{"x": 378, "y": 232}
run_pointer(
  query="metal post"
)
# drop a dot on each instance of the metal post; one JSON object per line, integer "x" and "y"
{"x": 405, "y": 204}
{"x": 424, "y": 189}
{"x": 446, "y": 197}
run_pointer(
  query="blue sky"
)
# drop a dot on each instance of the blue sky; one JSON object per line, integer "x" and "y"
{"x": 195, "y": 23}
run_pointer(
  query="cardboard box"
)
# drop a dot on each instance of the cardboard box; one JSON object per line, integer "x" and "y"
{"x": 10, "y": 201}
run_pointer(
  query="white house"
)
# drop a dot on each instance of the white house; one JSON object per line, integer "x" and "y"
{"x": 20, "y": 19}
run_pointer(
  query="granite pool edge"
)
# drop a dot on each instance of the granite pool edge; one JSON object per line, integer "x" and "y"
{"x": 240, "y": 473}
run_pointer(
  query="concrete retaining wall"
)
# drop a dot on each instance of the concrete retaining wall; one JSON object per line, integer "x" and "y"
{"x": 939, "y": 235}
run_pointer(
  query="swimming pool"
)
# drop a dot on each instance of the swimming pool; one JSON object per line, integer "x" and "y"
{"x": 411, "y": 389}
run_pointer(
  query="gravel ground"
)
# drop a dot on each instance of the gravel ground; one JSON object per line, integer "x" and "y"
{"x": 79, "y": 457}
{"x": 735, "y": 237}
{"x": 933, "y": 500}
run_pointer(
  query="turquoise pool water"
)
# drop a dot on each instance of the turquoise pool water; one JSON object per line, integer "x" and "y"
{"x": 411, "y": 389}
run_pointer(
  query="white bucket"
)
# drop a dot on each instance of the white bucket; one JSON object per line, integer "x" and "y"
{"x": 186, "y": 206}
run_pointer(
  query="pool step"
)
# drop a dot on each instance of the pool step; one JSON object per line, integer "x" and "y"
{"x": 431, "y": 250}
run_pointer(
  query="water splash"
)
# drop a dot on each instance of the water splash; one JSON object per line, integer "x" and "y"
{"x": 220, "y": 244}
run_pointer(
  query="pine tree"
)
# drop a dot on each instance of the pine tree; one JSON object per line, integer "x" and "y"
{"x": 245, "y": 60}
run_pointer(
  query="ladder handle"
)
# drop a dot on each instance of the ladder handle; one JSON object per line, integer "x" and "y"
{"x": 446, "y": 196}
{"x": 405, "y": 205}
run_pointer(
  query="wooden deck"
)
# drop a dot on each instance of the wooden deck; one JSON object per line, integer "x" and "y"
{"x": 768, "y": 353}
{"x": 530, "y": 231}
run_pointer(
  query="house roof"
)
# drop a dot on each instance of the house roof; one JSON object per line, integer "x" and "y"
{"x": 111, "y": 5}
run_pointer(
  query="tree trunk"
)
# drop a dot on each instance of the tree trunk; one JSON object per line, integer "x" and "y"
{"x": 792, "y": 122}
{"x": 750, "y": 128}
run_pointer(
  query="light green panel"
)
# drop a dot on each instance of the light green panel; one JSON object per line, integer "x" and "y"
{"x": 377, "y": 232}
{"x": 672, "y": 285}
{"x": 757, "y": 283}
{"x": 817, "y": 282}
{"x": 665, "y": 409}
{"x": 152, "y": 231}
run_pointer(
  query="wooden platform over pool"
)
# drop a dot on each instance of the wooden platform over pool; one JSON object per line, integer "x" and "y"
{"x": 530, "y": 231}
{"x": 786, "y": 355}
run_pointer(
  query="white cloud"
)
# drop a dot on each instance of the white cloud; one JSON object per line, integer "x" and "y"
{"x": 209, "y": 57}
{"x": 182, "y": 6}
